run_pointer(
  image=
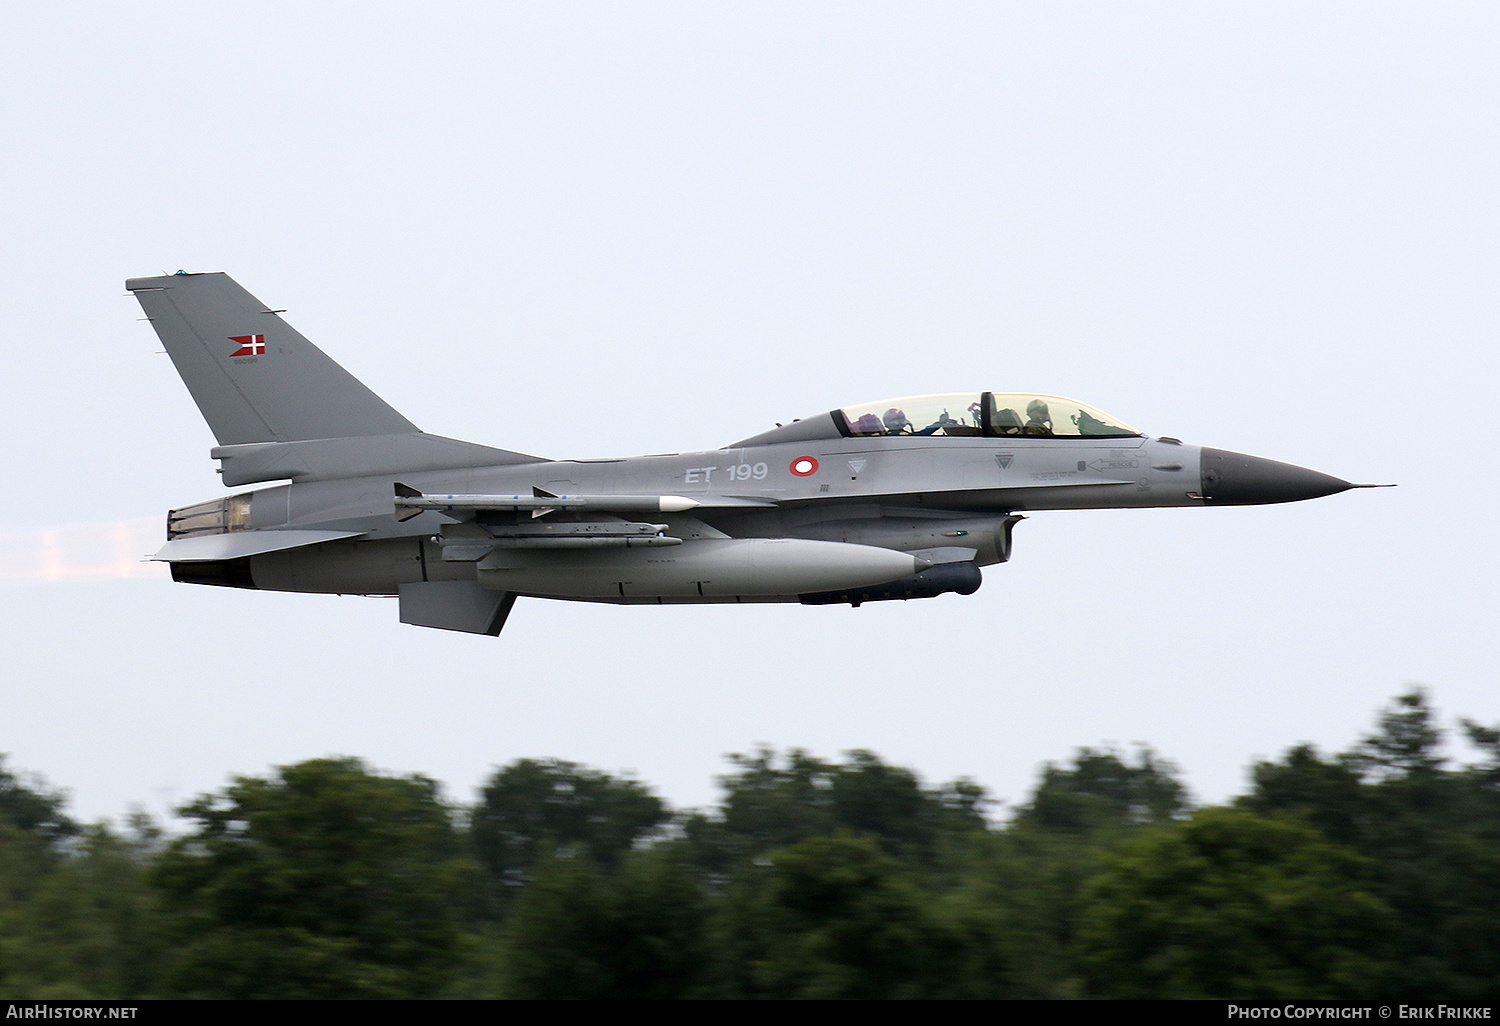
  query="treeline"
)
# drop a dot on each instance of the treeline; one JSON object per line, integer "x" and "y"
{"x": 1364, "y": 874}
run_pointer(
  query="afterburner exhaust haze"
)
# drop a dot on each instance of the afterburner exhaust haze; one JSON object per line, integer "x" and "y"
{"x": 116, "y": 549}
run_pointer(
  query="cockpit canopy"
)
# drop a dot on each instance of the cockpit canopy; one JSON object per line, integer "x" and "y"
{"x": 987, "y": 414}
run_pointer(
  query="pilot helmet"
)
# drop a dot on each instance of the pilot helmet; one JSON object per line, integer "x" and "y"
{"x": 1037, "y": 410}
{"x": 895, "y": 420}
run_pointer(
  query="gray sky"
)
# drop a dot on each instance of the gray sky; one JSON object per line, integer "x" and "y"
{"x": 600, "y": 229}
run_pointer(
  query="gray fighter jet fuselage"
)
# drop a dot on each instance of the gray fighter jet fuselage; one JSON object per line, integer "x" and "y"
{"x": 901, "y": 499}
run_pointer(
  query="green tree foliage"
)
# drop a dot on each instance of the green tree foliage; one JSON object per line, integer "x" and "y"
{"x": 770, "y": 803}
{"x": 1485, "y": 774}
{"x": 533, "y": 804}
{"x": 663, "y": 913}
{"x": 1021, "y": 886}
{"x": 24, "y": 865}
{"x": 663, "y": 923}
{"x": 1102, "y": 791}
{"x": 90, "y": 926}
{"x": 1431, "y": 834}
{"x": 1231, "y": 904}
{"x": 773, "y": 802}
{"x": 561, "y": 931}
{"x": 1407, "y": 745}
{"x": 1374, "y": 872}
{"x": 578, "y": 933}
{"x": 324, "y": 880}
{"x": 77, "y": 919}
{"x": 1328, "y": 793}
{"x": 28, "y": 804}
{"x": 834, "y": 917}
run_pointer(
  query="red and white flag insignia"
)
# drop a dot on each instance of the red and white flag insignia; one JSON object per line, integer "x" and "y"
{"x": 250, "y": 345}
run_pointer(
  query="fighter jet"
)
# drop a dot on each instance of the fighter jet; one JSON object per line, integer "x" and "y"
{"x": 898, "y": 499}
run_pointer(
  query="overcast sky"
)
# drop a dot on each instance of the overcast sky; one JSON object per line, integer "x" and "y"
{"x": 606, "y": 229}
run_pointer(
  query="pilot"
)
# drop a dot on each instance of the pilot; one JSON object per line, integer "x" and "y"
{"x": 1038, "y": 419}
{"x": 896, "y": 422}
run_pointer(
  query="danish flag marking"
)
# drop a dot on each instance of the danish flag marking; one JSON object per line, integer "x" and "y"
{"x": 250, "y": 345}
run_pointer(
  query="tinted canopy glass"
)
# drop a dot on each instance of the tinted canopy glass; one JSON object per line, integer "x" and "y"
{"x": 1050, "y": 416}
{"x": 960, "y": 414}
{"x": 990, "y": 414}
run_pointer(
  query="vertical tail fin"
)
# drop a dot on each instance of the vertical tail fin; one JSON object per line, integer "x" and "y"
{"x": 253, "y": 376}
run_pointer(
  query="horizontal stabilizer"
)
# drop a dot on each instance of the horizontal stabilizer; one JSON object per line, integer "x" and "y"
{"x": 455, "y": 606}
{"x": 323, "y": 459}
{"x": 211, "y": 548}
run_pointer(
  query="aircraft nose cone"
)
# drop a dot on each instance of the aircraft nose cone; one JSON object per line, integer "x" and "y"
{"x": 1234, "y": 479}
